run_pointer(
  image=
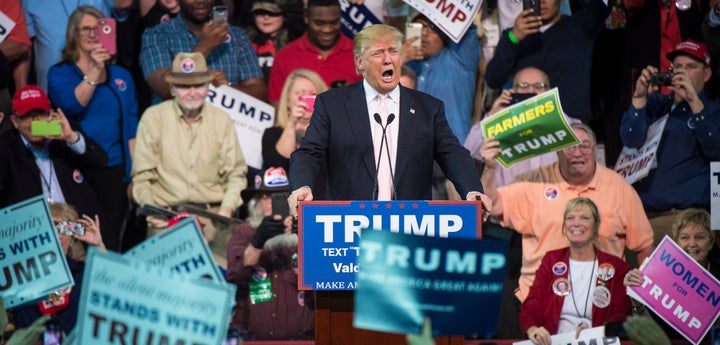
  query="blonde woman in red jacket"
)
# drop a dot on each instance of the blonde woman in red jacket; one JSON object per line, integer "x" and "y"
{"x": 577, "y": 287}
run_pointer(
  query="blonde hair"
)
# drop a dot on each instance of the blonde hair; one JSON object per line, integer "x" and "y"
{"x": 373, "y": 33}
{"x": 282, "y": 115}
{"x": 64, "y": 211}
{"x": 580, "y": 202}
{"x": 70, "y": 52}
{"x": 692, "y": 216}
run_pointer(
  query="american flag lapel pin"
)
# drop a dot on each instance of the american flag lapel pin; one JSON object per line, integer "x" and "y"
{"x": 412, "y": 111}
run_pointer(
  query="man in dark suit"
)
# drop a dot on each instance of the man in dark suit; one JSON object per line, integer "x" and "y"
{"x": 343, "y": 134}
{"x": 51, "y": 165}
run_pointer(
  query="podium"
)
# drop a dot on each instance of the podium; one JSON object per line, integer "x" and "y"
{"x": 334, "y": 308}
{"x": 333, "y": 324}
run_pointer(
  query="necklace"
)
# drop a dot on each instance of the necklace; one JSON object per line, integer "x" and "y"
{"x": 587, "y": 296}
{"x": 48, "y": 181}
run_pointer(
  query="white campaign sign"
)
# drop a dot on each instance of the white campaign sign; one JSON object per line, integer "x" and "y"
{"x": 594, "y": 335}
{"x": 6, "y": 25}
{"x": 250, "y": 116}
{"x": 453, "y": 17}
{"x": 634, "y": 164}
{"x": 715, "y": 195}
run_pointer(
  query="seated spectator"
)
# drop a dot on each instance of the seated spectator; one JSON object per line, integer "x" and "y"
{"x": 691, "y": 231}
{"x": 54, "y": 166}
{"x": 690, "y": 139}
{"x": 583, "y": 272}
{"x": 47, "y": 21}
{"x": 293, "y": 117}
{"x": 323, "y": 49}
{"x": 268, "y": 33}
{"x": 101, "y": 97}
{"x": 226, "y": 49}
{"x": 559, "y": 45}
{"x": 187, "y": 152}
{"x": 268, "y": 252}
{"x": 64, "y": 303}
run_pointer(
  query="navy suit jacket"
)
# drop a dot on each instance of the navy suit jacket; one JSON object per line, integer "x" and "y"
{"x": 339, "y": 136}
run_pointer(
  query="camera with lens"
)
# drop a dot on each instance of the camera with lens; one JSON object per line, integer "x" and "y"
{"x": 662, "y": 78}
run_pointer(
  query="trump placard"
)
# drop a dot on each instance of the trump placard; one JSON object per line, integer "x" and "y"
{"x": 181, "y": 249}
{"x": 679, "y": 290}
{"x": 453, "y": 17}
{"x": 31, "y": 258}
{"x": 405, "y": 278}
{"x": 127, "y": 302}
{"x": 329, "y": 233}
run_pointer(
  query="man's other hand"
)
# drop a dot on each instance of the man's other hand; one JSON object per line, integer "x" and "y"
{"x": 301, "y": 194}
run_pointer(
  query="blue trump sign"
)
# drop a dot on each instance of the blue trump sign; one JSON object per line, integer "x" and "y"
{"x": 329, "y": 233}
{"x": 31, "y": 258}
{"x": 354, "y": 18}
{"x": 455, "y": 282}
{"x": 182, "y": 249}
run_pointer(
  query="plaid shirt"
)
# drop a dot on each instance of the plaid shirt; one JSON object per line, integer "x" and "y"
{"x": 162, "y": 42}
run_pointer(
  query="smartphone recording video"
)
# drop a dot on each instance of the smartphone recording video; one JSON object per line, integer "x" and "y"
{"x": 53, "y": 333}
{"x": 310, "y": 101}
{"x": 107, "y": 35}
{"x": 220, "y": 12}
{"x": 533, "y": 4}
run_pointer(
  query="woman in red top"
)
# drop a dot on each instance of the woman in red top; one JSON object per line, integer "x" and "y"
{"x": 577, "y": 287}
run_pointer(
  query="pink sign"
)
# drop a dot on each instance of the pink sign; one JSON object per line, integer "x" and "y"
{"x": 679, "y": 290}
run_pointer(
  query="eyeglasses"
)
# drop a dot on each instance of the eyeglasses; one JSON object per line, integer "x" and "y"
{"x": 86, "y": 30}
{"x": 537, "y": 86}
{"x": 585, "y": 148}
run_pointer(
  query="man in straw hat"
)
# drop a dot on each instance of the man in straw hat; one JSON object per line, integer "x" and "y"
{"x": 187, "y": 152}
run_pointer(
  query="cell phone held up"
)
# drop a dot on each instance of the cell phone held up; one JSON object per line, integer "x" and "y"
{"x": 662, "y": 78}
{"x": 532, "y": 4}
{"x": 414, "y": 30}
{"x": 220, "y": 12}
{"x": 107, "y": 36}
{"x": 53, "y": 333}
{"x": 519, "y": 97}
{"x": 310, "y": 101}
{"x": 45, "y": 128}
{"x": 71, "y": 228}
{"x": 280, "y": 204}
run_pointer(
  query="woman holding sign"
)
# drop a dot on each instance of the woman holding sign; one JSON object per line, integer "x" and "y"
{"x": 64, "y": 303}
{"x": 575, "y": 287}
{"x": 691, "y": 231}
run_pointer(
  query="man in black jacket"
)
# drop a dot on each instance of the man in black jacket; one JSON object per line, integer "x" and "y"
{"x": 51, "y": 165}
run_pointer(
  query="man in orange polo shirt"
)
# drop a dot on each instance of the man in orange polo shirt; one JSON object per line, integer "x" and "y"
{"x": 533, "y": 205}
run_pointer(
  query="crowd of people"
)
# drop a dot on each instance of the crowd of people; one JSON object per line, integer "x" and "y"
{"x": 371, "y": 117}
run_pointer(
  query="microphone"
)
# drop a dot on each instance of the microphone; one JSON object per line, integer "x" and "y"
{"x": 377, "y": 118}
{"x": 390, "y": 119}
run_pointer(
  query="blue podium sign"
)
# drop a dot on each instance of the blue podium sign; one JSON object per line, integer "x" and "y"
{"x": 455, "y": 282}
{"x": 32, "y": 260}
{"x": 181, "y": 249}
{"x": 329, "y": 233}
{"x": 131, "y": 302}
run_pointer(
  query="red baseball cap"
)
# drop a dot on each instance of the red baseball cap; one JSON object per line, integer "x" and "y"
{"x": 693, "y": 49}
{"x": 30, "y": 98}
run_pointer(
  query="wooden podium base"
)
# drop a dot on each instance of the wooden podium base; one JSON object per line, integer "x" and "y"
{"x": 333, "y": 324}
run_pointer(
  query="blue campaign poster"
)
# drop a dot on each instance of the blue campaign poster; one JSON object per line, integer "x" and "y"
{"x": 329, "y": 233}
{"x": 355, "y": 18}
{"x": 31, "y": 258}
{"x": 455, "y": 282}
{"x": 181, "y": 249}
{"x": 130, "y": 302}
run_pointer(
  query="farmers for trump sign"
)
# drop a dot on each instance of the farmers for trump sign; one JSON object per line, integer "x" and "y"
{"x": 679, "y": 290}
